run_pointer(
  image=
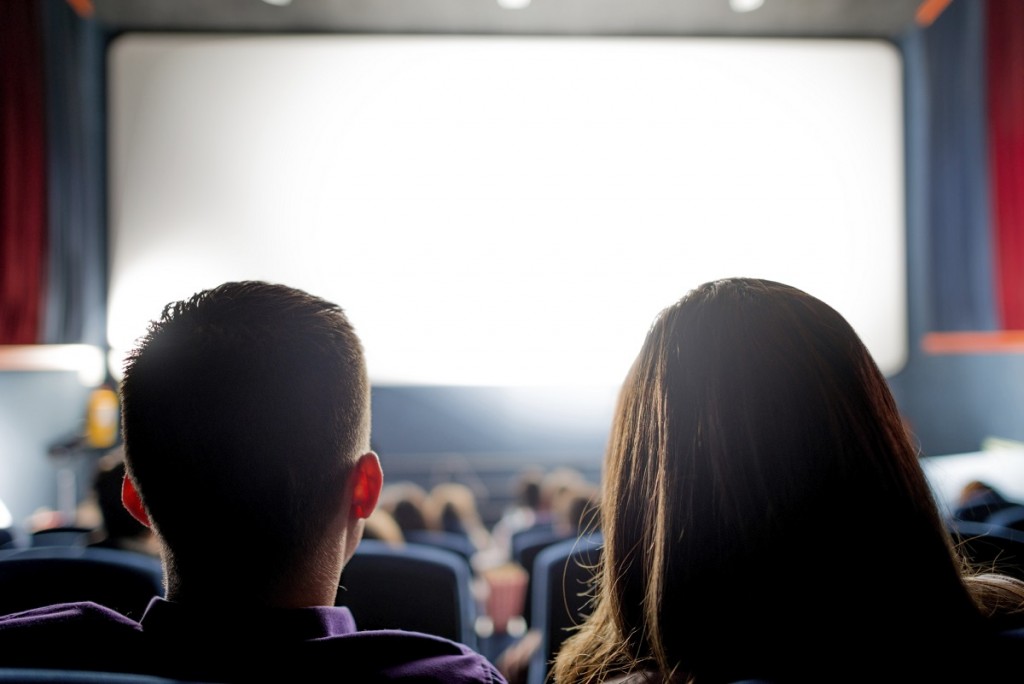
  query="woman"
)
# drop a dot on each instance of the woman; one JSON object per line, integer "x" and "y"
{"x": 765, "y": 515}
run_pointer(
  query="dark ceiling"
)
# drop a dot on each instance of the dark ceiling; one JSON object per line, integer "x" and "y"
{"x": 784, "y": 18}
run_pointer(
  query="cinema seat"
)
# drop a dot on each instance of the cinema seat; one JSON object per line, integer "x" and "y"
{"x": 452, "y": 541}
{"x": 1011, "y": 517}
{"x": 39, "y": 576}
{"x": 560, "y": 595}
{"x": 413, "y": 587}
{"x": 70, "y": 535}
{"x": 542, "y": 532}
{"x": 526, "y": 555}
{"x": 12, "y": 675}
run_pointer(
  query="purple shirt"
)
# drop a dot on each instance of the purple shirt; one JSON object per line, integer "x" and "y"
{"x": 305, "y": 644}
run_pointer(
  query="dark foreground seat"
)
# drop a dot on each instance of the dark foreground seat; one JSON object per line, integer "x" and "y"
{"x": 414, "y": 587}
{"x": 560, "y": 595}
{"x": 11, "y": 675}
{"x": 39, "y": 576}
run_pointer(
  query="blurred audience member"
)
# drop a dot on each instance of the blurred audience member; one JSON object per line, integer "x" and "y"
{"x": 406, "y": 502}
{"x": 522, "y": 513}
{"x": 381, "y": 526}
{"x": 452, "y": 507}
{"x": 579, "y": 513}
{"x": 978, "y": 500}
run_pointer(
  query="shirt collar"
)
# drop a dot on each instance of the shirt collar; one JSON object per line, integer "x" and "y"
{"x": 292, "y": 624}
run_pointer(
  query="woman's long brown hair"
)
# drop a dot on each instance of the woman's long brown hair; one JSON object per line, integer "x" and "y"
{"x": 762, "y": 500}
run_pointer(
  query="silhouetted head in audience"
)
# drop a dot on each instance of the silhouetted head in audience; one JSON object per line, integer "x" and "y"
{"x": 406, "y": 501}
{"x": 452, "y": 507}
{"x": 555, "y": 484}
{"x": 978, "y": 500}
{"x": 581, "y": 511}
{"x": 764, "y": 511}
{"x": 528, "y": 486}
{"x": 382, "y": 526}
{"x": 246, "y": 419}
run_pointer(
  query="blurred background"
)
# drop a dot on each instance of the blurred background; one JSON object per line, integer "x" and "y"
{"x": 502, "y": 194}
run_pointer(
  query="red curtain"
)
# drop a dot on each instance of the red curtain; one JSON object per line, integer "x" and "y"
{"x": 1005, "y": 40}
{"x": 22, "y": 172}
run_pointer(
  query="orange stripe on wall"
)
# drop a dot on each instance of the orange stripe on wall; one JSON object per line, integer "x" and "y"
{"x": 929, "y": 10}
{"x": 998, "y": 341}
{"x": 83, "y": 8}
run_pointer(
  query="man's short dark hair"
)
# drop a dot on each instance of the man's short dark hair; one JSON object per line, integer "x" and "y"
{"x": 243, "y": 408}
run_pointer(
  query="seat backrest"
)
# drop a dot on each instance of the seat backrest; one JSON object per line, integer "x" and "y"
{"x": 28, "y": 675}
{"x": 993, "y": 547}
{"x": 530, "y": 536}
{"x": 562, "y": 574}
{"x": 453, "y": 541}
{"x": 526, "y": 556}
{"x": 1011, "y": 517}
{"x": 39, "y": 576}
{"x": 980, "y": 506}
{"x": 412, "y": 587}
{"x": 61, "y": 536}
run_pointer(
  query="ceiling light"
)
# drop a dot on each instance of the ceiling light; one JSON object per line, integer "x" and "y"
{"x": 514, "y": 4}
{"x": 745, "y": 5}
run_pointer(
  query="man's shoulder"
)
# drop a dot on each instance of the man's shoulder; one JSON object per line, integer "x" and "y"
{"x": 91, "y": 636}
{"x": 84, "y": 616}
{"x": 315, "y": 644}
{"x": 402, "y": 656}
{"x": 94, "y": 637}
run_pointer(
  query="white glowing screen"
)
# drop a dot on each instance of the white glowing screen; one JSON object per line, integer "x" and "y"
{"x": 498, "y": 210}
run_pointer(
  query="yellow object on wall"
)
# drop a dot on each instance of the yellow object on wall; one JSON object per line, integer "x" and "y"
{"x": 102, "y": 418}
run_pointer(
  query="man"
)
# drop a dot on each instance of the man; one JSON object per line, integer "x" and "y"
{"x": 246, "y": 421}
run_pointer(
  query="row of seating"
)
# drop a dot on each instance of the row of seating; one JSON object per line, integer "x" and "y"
{"x": 47, "y": 676}
{"x": 560, "y": 595}
{"x": 42, "y": 575}
{"x": 1011, "y": 517}
{"x": 415, "y": 587}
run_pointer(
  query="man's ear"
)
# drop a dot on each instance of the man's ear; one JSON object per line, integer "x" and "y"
{"x": 367, "y": 479}
{"x": 133, "y": 502}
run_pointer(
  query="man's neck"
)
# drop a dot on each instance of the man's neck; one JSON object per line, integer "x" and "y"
{"x": 223, "y": 584}
{"x": 245, "y": 595}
